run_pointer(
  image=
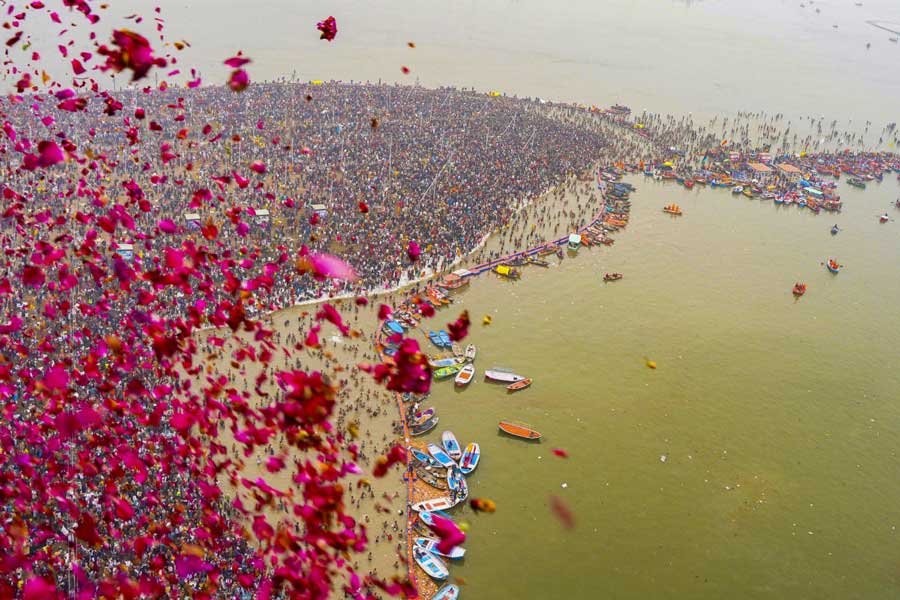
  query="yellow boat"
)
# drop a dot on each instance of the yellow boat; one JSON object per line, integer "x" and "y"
{"x": 672, "y": 209}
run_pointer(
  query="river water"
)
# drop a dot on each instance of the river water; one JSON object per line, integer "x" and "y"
{"x": 777, "y": 417}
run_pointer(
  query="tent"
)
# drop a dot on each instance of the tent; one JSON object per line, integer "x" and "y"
{"x": 193, "y": 220}
{"x": 126, "y": 251}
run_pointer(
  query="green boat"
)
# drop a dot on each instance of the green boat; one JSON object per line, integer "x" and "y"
{"x": 857, "y": 182}
{"x": 445, "y": 372}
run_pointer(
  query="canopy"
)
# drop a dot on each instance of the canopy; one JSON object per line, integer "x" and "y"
{"x": 574, "y": 238}
{"x": 503, "y": 270}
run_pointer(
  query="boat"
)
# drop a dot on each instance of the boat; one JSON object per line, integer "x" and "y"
{"x": 538, "y": 262}
{"x": 856, "y": 182}
{"x": 457, "y": 350}
{"x": 453, "y": 281}
{"x": 471, "y": 350}
{"x": 423, "y": 457}
{"x": 430, "y": 545}
{"x": 440, "y": 456}
{"x": 449, "y": 361}
{"x": 431, "y": 564}
{"x": 501, "y": 374}
{"x": 833, "y": 266}
{"x": 519, "y": 385}
{"x": 507, "y": 271}
{"x": 433, "y": 504}
{"x": 470, "y": 458}
{"x": 612, "y": 277}
{"x": 884, "y": 218}
{"x": 519, "y": 431}
{"x": 431, "y": 477}
{"x": 423, "y": 416}
{"x": 672, "y": 209}
{"x": 737, "y": 190}
{"x": 456, "y": 482}
{"x": 445, "y": 372}
{"x": 445, "y": 339}
{"x": 427, "y": 516}
{"x": 574, "y": 242}
{"x": 451, "y": 445}
{"x": 423, "y": 428}
{"x": 435, "y": 338}
{"x": 394, "y": 326}
{"x": 448, "y": 592}
{"x": 835, "y": 230}
{"x": 465, "y": 376}
{"x": 799, "y": 289}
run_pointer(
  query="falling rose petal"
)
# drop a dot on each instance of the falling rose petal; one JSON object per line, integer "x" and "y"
{"x": 327, "y": 265}
{"x": 562, "y": 512}
{"x": 560, "y": 453}
{"x": 448, "y": 532}
{"x": 404, "y": 70}
{"x": 328, "y": 27}
{"x": 238, "y": 80}
{"x": 413, "y": 251}
{"x": 384, "y": 312}
{"x": 236, "y": 62}
{"x": 363, "y": 207}
{"x": 459, "y": 329}
{"x": 132, "y": 52}
{"x": 482, "y": 505}
{"x": 397, "y": 454}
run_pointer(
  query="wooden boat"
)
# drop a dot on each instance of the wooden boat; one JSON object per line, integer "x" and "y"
{"x": 538, "y": 262}
{"x": 445, "y": 339}
{"x": 471, "y": 350}
{"x": 833, "y": 266}
{"x": 423, "y": 428}
{"x": 457, "y": 350}
{"x": 799, "y": 289}
{"x": 507, "y": 271}
{"x": 427, "y": 516}
{"x": 430, "y": 545}
{"x": 884, "y": 218}
{"x": 519, "y": 385}
{"x": 448, "y": 592}
{"x": 394, "y": 326}
{"x": 433, "y": 504}
{"x": 451, "y": 445}
{"x": 612, "y": 277}
{"x": 737, "y": 190}
{"x": 855, "y": 182}
{"x": 432, "y": 478}
{"x": 465, "y": 376}
{"x": 470, "y": 458}
{"x": 835, "y": 230}
{"x": 435, "y": 338}
{"x": 423, "y": 416}
{"x": 438, "y": 363}
{"x": 456, "y": 482}
{"x": 422, "y": 457}
{"x": 519, "y": 431}
{"x": 502, "y": 374}
{"x": 445, "y": 372}
{"x": 574, "y": 242}
{"x": 672, "y": 209}
{"x": 431, "y": 564}
{"x": 440, "y": 456}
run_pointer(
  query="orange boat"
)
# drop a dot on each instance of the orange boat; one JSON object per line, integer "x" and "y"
{"x": 672, "y": 209}
{"x": 799, "y": 289}
{"x": 519, "y": 385}
{"x": 519, "y": 431}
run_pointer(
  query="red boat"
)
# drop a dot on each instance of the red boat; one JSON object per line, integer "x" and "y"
{"x": 689, "y": 184}
{"x": 799, "y": 289}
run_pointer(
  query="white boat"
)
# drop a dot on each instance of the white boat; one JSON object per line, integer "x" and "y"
{"x": 738, "y": 189}
{"x": 501, "y": 374}
{"x": 465, "y": 377}
{"x": 442, "y": 457}
{"x": 448, "y": 592}
{"x": 457, "y": 350}
{"x": 451, "y": 445}
{"x": 442, "y": 503}
{"x": 431, "y": 564}
{"x": 430, "y": 545}
{"x": 471, "y": 350}
{"x": 470, "y": 458}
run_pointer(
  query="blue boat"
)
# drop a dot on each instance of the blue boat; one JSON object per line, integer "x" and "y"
{"x": 431, "y": 545}
{"x": 448, "y": 592}
{"x": 394, "y": 326}
{"x": 435, "y": 338}
{"x": 451, "y": 445}
{"x": 779, "y": 199}
{"x": 427, "y": 516}
{"x": 422, "y": 457}
{"x": 835, "y": 230}
{"x": 470, "y": 458}
{"x": 459, "y": 489}
{"x": 431, "y": 564}
{"x": 442, "y": 457}
{"x": 445, "y": 339}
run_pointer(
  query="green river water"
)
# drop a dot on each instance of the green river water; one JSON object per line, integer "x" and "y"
{"x": 778, "y": 417}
